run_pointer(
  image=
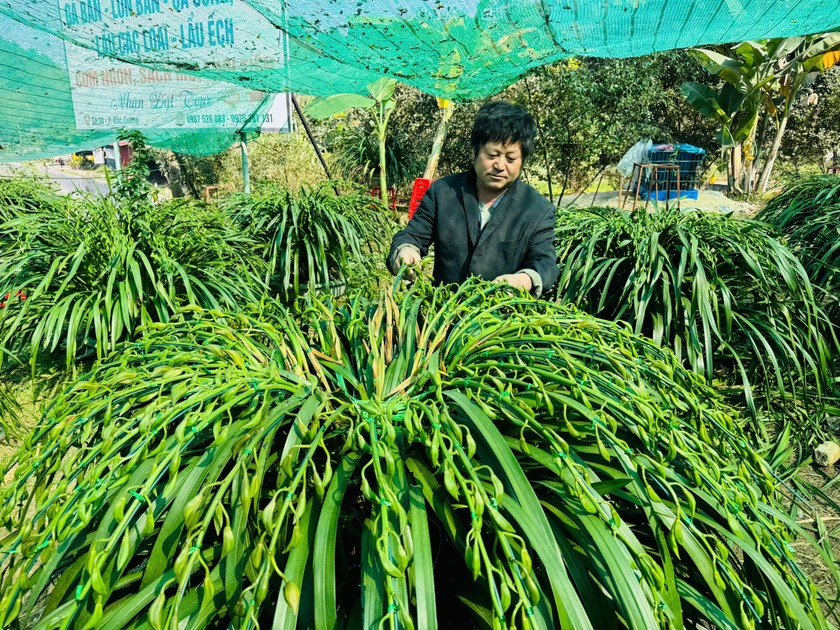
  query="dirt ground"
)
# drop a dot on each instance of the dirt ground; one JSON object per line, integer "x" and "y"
{"x": 707, "y": 200}
{"x": 821, "y": 517}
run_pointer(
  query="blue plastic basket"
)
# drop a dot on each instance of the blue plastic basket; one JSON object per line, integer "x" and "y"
{"x": 689, "y": 159}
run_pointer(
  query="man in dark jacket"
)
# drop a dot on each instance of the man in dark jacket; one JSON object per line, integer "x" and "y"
{"x": 486, "y": 222}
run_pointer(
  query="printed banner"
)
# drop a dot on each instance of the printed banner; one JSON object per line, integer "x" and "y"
{"x": 110, "y": 94}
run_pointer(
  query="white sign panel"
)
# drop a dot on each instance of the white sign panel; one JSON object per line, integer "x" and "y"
{"x": 278, "y": 117}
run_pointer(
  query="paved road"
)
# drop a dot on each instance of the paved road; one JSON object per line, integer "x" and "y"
{"x": 67, "y": 181}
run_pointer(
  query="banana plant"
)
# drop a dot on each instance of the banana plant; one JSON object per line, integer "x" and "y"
{"x": 414, "y": 458}
{"x": 761, "y": 79}
{"x": 815, "y": 54}
{"x": 737, "y": 106}
{"x": 380, "y": 104}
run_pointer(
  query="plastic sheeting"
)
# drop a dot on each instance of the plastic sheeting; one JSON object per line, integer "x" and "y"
{"x": 191, "y": 71}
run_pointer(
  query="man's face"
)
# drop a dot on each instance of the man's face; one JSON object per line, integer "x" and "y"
{"x": 497, "y": 165}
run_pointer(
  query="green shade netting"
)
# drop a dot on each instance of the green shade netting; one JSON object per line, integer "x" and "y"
{"x": 459, "y": 49}
{"x": 38, "y": 118}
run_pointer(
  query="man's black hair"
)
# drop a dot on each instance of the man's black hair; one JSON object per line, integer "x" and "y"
{"x": 500, "y": 121}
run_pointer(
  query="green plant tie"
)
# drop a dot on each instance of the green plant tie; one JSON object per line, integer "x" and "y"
{"x": 392, "y": 608}
{"x": 435, "y": 425}
{"x": 194, "y": 430}
{"x": 688, "y": 520}
{"x": 80, "y": 591}
{"x": 611, "y": 522}
{"x": 560, "y": 454}
{"x": 193, "y": 549}
{"x": 43, "y": 545}
{"x": 136, "y": 495}
{"x": 385, "y": 502}
{"x": 628, "y": 451}
{"x": 247, "y": 451}
{"x": 529, "y": 612}
{"x": 457, "y": 445}
{"x": 474, "y": 516}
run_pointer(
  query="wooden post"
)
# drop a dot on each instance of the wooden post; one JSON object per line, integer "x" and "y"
{"x": 246, "y": 176}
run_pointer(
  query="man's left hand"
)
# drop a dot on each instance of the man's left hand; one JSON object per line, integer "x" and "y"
{"x": 518, "y": 280}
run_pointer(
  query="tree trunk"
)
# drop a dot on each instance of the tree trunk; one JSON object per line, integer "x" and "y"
{"x": 543, "y": 141}
{"x": 437, "y": 143}
{"x": 774, "y": 153}
{"x": 381, "y": 126}
{"x": 383, "y": 175}
{"x": 762, "y": 136}
{"x": 749, "y": 150}
{"x": 748, "y": 176}
{"x": 186, "y": 177}
{"x": 735, "y": 166}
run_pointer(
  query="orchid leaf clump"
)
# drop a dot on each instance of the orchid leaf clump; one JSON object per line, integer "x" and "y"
{"x": 396, "y": 460}
{"x": 79, "y": 276}
{"x": 311, "y": 237}
{"x": 807, "y": 213}
{"x": 730, "y": 299}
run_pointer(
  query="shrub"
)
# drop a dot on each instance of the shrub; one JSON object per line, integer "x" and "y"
{"x": 83, "y": 275}
{"x": 393, "y": 460}
{"x": 20, "y": 195}
{"x": 355, "y": 150}
{"x": 24, "y": 193}
{"x": 311, "y": 237}
{"x": 724, "y": 293}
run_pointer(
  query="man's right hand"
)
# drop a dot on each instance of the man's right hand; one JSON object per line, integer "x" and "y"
{"x": 408, "y": 256}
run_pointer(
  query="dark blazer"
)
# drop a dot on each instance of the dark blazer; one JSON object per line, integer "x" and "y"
{"x": 519, "y": 234}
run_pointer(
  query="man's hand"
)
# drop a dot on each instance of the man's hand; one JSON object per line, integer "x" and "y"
{"x": 518, "y": 280}
{"x": 408, "y": 256}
